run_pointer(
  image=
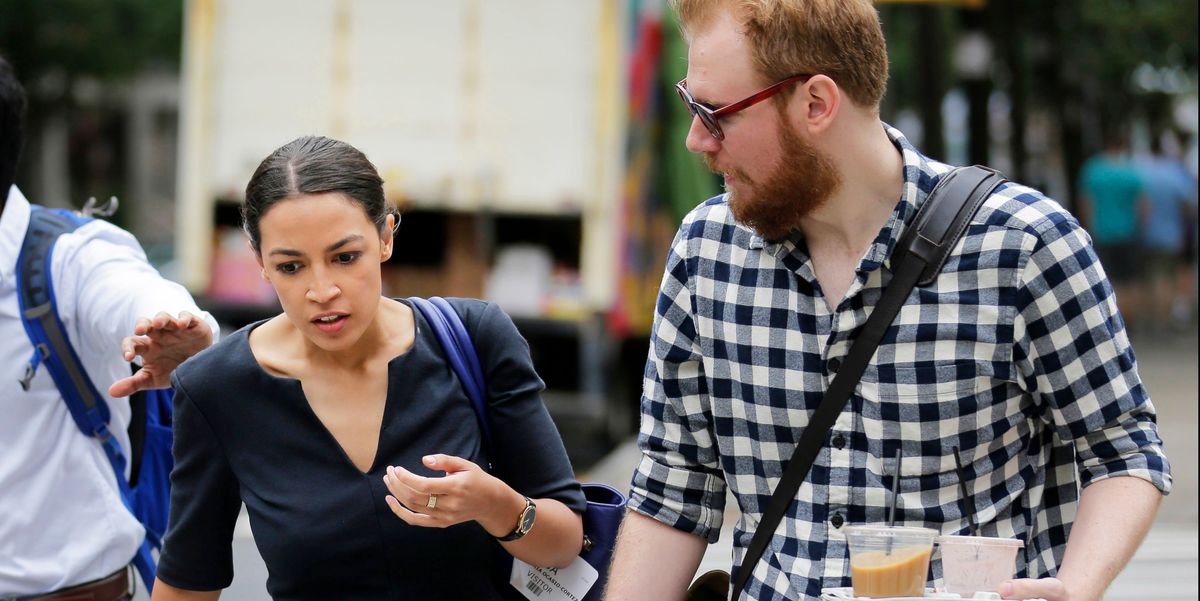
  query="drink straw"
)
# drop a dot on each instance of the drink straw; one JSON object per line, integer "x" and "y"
{"x": 892, "y": 508}
{"x": 968, "y": 506}
{"x": 895, "y": 489}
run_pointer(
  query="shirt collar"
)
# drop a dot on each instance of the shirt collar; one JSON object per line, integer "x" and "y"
{"x": 920, "y": 176}
{"x": 13, "y": 223}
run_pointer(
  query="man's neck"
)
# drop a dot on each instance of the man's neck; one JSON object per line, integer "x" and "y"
{"x": 872, "y": 181}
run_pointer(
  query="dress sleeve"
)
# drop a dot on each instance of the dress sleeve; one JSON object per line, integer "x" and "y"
{"x": 529, "y": 453}
{"x": 679, "y": 480}
{"x": 1074, "y": 358}
{"x": 197, "y": 549}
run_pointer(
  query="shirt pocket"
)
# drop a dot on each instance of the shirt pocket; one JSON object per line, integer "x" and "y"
{"x": 931, "y": 409}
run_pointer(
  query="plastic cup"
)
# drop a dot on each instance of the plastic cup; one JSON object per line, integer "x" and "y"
{"x": 889, "y": 561}
{"x": 973, "y": 564}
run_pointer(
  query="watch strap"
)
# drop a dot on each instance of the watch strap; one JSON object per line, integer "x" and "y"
{"x": 521, "y": 528}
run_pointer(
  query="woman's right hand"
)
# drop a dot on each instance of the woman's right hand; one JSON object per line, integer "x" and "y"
{"x": 465, "y": 493}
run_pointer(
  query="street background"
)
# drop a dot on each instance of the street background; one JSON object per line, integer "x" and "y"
{"x": 535, "y": 149}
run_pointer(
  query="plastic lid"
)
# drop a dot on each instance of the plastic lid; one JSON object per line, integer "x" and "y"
{"x": 989, "y": 541}
{"x": 884, "y": 531}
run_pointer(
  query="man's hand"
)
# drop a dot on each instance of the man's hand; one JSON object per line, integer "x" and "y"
{"x": 162, "y": 342}
{"x": 1050, "y": 589}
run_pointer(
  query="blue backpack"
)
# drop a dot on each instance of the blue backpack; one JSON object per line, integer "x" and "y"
{"x": 147, "y": 492}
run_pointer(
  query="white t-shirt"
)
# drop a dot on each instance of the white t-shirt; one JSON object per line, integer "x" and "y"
{"x": 61, "y": 518}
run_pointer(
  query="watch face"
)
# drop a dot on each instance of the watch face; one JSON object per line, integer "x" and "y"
{"x": 527, "y": 517}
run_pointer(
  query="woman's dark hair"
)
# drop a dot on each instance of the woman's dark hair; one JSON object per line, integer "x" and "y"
{"x": 313, "y": 165}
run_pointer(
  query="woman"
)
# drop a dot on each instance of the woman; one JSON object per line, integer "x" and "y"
{"x": 342, "y": 428}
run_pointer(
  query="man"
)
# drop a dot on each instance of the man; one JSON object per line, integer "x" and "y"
{"x": 1015, "y": 354}
{"x": 1170, "y": 192}
{"x": 1113, "y": 205}
{"x": 63, "y": 528}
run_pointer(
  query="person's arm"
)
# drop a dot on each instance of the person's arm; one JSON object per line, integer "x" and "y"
{"x": 644, "y": 542}
{"x": 166, "y": 592}
{"x": 527, "y": 455}
{"x": 677, "y": 494}
{"x": 467, "y": 493}
{"x": 1062, "y": 295}
{"x": 197, "y": 551}
{"x": 123, "y": 305}
{"x": 1084, "y": 211}
{"x": 1114, "y": 516}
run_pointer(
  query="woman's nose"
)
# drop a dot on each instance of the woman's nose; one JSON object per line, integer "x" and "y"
{"x": 323, "y": 291}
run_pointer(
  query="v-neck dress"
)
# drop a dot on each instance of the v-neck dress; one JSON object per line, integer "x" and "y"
{"x": 243, "y": 435}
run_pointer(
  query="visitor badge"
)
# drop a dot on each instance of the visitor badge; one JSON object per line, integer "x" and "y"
{"x": 553, "y": 584}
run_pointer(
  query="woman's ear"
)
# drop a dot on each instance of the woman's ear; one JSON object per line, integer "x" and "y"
{"x": 387, "y": 237}
{"x": 258, "y": 259}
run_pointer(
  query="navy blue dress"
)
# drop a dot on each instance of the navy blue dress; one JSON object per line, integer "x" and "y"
{"x": 243, "y": 435}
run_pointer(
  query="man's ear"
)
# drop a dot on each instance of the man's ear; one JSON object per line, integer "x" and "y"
{"x": 817, "y": 102}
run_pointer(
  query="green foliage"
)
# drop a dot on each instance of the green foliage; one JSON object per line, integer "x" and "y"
{"x": 105, "y": 39}
{"x": 1117, "y": 35}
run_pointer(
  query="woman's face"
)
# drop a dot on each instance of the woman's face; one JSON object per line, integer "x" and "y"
{"x": 322, "y": 255}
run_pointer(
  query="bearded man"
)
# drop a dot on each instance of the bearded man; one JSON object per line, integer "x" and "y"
{"x": 1015, "y": 355}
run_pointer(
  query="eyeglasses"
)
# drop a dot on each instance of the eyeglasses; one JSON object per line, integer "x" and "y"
{"x": 709, "y": 117}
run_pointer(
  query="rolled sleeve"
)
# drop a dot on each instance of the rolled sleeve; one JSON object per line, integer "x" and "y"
{"x": 678, "y": 481}
{"x": 1075, "y": 358}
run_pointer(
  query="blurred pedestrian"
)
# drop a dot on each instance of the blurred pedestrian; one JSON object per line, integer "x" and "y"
{"x": 64, "y": 531}
{"x": 1171, "y": 195}
{"x": 343, "y": 429}
{"x": 1112, "y": 206}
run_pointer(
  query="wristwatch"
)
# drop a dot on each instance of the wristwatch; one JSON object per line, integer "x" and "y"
{"x": 524, "y": 522}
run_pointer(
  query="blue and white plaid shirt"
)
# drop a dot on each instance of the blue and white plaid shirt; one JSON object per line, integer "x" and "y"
{"x": 1015, "y": 348}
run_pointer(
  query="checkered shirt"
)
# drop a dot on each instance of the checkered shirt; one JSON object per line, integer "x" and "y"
{"x": 1014, "y": 349}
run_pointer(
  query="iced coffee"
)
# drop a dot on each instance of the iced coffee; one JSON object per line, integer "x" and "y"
{"x": 889, "y": 561}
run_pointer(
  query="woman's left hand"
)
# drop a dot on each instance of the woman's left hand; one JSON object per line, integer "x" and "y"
{"x": 465, "y": 493}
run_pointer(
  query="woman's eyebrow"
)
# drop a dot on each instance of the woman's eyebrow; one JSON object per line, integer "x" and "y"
{"x": 343, "y": 242}
{"x": 332, "y": 247}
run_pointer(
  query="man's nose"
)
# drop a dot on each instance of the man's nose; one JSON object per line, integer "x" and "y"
{"x": 699, "y": 139}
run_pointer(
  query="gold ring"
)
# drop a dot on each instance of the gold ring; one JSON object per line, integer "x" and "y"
{"x": 432, "y": 502}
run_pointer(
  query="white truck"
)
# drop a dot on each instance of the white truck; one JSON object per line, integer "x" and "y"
{"x": 499, "y": 107}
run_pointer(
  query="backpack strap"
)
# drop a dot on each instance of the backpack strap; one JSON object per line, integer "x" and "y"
{"x": 460, "y": 352}
{"x": 52, "y": 348}
{"x": 917, "y": 259}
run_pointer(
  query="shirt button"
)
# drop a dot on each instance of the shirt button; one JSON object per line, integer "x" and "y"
{"x": 839, "y": 442}
{"x": 837, "y": 520}
{"x": 833, "y": 365}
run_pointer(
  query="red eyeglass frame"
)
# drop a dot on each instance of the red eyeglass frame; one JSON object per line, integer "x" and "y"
{"x": 709, "y": 117}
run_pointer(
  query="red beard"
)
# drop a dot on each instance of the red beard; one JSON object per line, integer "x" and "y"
{"x": 802, "y": 181}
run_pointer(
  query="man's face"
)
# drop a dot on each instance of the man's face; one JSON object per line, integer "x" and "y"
{"x": 773, "y": 177}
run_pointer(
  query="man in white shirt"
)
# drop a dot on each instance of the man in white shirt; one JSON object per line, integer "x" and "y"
{"x": 64, "y": 530}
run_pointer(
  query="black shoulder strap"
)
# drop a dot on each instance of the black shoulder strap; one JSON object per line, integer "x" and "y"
{"x": 918, "y": 257}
